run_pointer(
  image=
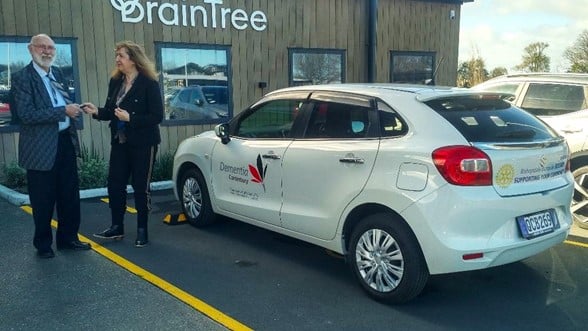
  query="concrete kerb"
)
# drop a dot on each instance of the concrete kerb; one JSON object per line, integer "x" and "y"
{"x": 19, "y": 199}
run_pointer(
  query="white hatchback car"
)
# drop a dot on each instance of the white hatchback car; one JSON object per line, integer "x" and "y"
{"x": 404, "y": 181}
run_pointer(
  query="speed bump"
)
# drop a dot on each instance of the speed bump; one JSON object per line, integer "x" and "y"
{"x": 174, "y": 219}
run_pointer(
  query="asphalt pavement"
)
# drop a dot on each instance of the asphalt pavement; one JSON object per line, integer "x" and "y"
{"x": 88, "y": 290}
{"x": 79, "y": 290}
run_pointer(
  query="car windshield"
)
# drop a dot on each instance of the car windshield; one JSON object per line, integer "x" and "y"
{"x": 490, "y": 119}
{"x": 216, "y": 94}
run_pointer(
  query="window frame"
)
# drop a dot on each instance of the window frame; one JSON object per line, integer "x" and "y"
{"x": 72, "y": 41}
{"x": 431, "y": 54}
{"x": 326, "y": 51}
{"x": 159, "y": 46}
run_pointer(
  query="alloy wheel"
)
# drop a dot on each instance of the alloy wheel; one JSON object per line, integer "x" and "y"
{"x": 379, "y": 260}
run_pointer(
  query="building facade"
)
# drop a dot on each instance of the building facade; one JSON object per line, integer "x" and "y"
{"x": 215, "y": 57}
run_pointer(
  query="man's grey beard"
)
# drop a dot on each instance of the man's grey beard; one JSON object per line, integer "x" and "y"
{"x": 43, "y": 61}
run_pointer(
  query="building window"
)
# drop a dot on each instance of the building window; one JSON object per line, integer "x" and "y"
{"x": 412, "y": 67}
{"x": 14, "y": 56}
{"x": 316, "y": 66}
{"x": 195, "y": 82}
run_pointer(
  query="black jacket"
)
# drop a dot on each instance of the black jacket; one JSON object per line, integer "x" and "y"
{"x": 144, "y": 104}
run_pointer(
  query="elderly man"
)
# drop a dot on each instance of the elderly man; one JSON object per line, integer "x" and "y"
{"x": 48, "y": 147}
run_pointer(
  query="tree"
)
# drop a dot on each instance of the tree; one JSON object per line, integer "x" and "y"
{"x": 317, "y": 68}
{"x": 498, "y": 71}
{"x": 534, "y": 58}
{"x": 472, "y": 72}
{"x": 578, "y": 54}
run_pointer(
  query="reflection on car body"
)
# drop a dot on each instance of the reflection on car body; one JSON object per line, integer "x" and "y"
{"x": 403, "y": 181}
{"x": 198, "y": 103}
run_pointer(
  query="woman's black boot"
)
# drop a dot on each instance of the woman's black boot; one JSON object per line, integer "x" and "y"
{"x": 142, "y": 237}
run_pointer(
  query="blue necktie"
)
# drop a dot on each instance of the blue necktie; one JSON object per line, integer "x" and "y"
{"x": 59, "y": 88}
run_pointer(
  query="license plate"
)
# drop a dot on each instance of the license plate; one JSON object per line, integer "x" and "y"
{"x": 538, "y": 224}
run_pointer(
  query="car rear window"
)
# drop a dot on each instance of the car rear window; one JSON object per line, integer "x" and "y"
{"x": 483, "y": 118}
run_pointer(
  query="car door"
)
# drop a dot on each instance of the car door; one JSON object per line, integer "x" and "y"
{"x": 329, "y": 167}
{"x": 247, "y": 171}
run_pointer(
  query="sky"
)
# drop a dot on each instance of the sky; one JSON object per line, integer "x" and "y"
{"x": 499, "y": 30}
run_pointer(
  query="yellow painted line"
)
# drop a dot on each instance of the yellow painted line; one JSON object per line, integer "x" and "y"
{"x": 178, "y": 293}
{"x": 575, "y": 243}
{"x": 129, "y": 209}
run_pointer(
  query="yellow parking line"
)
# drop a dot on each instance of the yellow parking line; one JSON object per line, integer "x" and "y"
{"x": 178, "y": 293}
{"x": 575, "y": 243}
{"x": 129, "y": 209}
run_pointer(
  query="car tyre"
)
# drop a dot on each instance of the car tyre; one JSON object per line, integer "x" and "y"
{"x": 580, "y": 198}
{"x": 387, "y": 260}
{"x": 195, "y": 199}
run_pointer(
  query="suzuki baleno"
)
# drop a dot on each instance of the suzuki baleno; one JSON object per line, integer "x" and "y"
{"x": 404, "y": 181}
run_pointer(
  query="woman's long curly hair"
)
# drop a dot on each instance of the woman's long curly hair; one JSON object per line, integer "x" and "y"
{"x": 137, "y": 54}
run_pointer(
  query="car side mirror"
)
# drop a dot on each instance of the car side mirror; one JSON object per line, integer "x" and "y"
{"x": 222, "y": 131}
{"x": 199, "y": 102}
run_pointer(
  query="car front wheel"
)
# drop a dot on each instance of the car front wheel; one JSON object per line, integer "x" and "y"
{"x": 580, "y": 199}
{"x": 195, "y": 199}
{"x": 386, "y": 259}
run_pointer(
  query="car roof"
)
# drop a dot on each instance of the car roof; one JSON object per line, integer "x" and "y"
{"x": 420, "y": 92}
{"x": 578, "y": 78}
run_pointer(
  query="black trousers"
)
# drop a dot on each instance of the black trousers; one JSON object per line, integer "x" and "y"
{"x": 58, "y": 187}
{"x": 136, "y": 163}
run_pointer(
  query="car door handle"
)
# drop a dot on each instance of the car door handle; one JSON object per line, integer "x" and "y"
{"x": 271, "y": 156}
{"x": 355, "y": 160}
{"x": 572, "y": 130}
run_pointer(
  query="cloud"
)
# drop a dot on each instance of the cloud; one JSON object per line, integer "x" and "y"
{"x": 501, "y": 29}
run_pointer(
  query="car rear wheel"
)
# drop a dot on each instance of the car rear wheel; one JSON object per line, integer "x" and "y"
{"x": 386, "y": 259}
{"x": 580, "y": 199}
{"x": 195, "y": 199}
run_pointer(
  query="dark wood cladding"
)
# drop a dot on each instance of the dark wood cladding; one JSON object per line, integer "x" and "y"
{"x": 403, "y": 25}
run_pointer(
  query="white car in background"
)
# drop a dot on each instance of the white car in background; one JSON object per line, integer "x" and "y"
{"x": 404, "y": 181}
{"x": 561, "y": 100}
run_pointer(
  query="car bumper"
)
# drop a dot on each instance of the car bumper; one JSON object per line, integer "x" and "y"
{"x": 456, "y": 221}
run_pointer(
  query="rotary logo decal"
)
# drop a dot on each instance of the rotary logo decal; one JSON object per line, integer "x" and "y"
{"x": 505, "y": 176}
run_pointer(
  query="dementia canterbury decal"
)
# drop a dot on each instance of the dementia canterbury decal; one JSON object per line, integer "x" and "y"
{"x": 241, "y": 174}
{"x": 133, "y": 11}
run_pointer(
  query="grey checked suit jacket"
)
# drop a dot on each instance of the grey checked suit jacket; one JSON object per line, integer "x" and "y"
{"x": 39, "y": 121}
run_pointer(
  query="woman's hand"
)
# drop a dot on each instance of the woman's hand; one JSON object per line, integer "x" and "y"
{"x": 122, "y": 115}
{"x": 89, "y": 108}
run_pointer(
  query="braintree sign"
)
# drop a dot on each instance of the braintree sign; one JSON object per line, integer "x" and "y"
{"x": 207, "y": 14}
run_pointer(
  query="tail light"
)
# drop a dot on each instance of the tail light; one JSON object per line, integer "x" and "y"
{"x": 463, "y": 165}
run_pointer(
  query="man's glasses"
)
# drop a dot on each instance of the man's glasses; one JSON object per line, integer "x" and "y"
{"x": 45, "y": 47}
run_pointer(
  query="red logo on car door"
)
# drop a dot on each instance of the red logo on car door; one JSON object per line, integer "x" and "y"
{"x": 258, "y": 173}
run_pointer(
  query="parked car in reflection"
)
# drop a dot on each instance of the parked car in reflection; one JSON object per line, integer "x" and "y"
{"x": 5, "y": 114}
{"x": 198, "y": 103}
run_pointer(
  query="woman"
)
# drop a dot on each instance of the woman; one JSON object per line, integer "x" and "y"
{"x": 134, "y": 108}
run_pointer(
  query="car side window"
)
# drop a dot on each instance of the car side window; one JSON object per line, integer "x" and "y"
{"x": 338, "y": 120}
{"x": 273, "y": 119}
{"x": 184, "y": 95}
{"x": 508, "y": 90}
{"x": 553, "y": 99}
{"x": 391, "y": 124}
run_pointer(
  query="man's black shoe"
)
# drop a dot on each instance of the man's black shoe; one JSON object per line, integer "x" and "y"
{"x": 75, "y": 245}
{"x": 113, "y": 232}
{"x": 142, "y": 237}
{"x": 45, "y": 253}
